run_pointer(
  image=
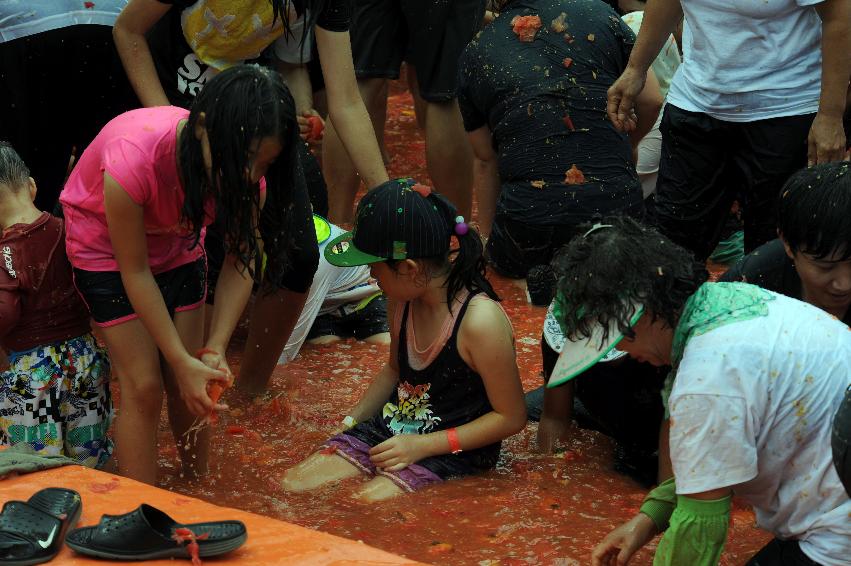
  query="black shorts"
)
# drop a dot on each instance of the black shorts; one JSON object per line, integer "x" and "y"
{"x": 183, "y": 289}
{"x": 373, "y": 432}
{"x": 429, "y": 34}
{"x": 360, "y": 324}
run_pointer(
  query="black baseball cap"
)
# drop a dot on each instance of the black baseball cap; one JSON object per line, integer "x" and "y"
{"x": 399, "y": 219}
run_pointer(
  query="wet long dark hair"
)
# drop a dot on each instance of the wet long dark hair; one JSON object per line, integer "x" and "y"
{"x": 240, "y": 106}
{"x": 814, "y": 210}
{"x": 465, "y": 263}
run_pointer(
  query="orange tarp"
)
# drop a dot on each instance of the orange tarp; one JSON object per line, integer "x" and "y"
{"x": 269, "y": 541}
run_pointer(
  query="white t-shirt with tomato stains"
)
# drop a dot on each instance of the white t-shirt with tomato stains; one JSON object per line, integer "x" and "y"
{"x": 747, "y": 60}
{"x": 752, "y": 407}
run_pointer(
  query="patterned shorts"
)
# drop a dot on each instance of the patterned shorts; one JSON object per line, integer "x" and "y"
{"x": 56, "y": 399}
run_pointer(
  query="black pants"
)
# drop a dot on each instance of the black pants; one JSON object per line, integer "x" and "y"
{"x": 781, "y": 553}
{"x": 706, "y": 163}
{"x": 516, "y": 247}
{"x": 57, "y": 90}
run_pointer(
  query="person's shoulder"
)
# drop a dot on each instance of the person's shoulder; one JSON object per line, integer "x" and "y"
{"x": 764, "y": 267}
{"x": 483, "y": 318}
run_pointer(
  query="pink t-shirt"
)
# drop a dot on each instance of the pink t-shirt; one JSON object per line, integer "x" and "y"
{"x": 138, "y": 149}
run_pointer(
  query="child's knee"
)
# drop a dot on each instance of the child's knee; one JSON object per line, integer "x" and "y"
{"x": 144, "y": 395}
{"x": 378, "y": 488}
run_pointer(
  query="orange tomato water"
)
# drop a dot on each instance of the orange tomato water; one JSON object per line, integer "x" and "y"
{"x": 532, "y": 509}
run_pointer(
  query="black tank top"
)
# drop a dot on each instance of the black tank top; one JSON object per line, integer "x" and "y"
{"x": 447, "y": 393}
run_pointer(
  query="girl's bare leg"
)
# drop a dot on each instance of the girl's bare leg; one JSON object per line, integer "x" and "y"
{"x": 192, "y": 448}
{"x": 318, "y": 469}
{"x": 378, "y": 488}
{"x": 133, "y": 350}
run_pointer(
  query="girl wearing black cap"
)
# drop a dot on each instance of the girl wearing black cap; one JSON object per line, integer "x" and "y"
{"x": 450, "y": 391}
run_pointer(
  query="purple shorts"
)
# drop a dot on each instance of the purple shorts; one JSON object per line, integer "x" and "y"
{"x": 356, "y": 452}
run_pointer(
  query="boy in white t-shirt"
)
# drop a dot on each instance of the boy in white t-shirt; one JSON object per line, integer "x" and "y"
{"x": 757, "y": 378}
{"x": 342, "y": 302}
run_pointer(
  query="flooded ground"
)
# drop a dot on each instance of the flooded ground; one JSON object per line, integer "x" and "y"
{"x": 532, "y": 509}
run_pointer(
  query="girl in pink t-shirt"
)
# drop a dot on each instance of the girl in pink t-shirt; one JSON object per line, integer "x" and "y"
{"x": 136, "y": 208}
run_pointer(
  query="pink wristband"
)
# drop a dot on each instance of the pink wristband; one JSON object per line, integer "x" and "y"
{"x": 452, "y": 437}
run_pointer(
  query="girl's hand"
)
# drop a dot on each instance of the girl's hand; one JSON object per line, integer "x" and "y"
{"x": 399, "y": 452}
{"x": 192, "y": 376}
{"x": 213, "y": 359}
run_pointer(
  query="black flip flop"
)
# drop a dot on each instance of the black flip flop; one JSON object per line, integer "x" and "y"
{"x": 147, "y": 534}
{"x": 31, "y": 532}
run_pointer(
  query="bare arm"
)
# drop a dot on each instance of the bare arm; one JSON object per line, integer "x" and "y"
{"x": 134, "y": 21}
{"x": 827, "y": 137}
{"x": 236, "y": 286}
{"x": 346, "y": 109}
{"x": 661, "y": 17}
{"x": 382, "y": 386}
{"x": 125, "y": 221}
{"x": 487, "y": 174}
{"x": 647, "y": 106}
{"x": 298, "y": 81}
{"x": 556, "y": 423}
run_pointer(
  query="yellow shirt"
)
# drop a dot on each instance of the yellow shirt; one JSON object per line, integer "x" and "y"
{"x": 223, "y": 33}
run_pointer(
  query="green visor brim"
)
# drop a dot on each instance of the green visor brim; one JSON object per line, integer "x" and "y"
{"x": 577, "y": 357}
{"x": 342, "y": 252}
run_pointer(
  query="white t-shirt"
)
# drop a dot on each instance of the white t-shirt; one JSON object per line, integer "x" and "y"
{"x": 333, "y": 289}
{"x": 752, "y": 407}
{"x": 748, "y": 60}
{"x": 22, "y": 18}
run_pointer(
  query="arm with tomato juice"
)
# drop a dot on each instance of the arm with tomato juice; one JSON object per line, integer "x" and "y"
{"x": 134, "y": 21}
{"x": 486, "y": 344}
{"x": 346, "y": 109}
{"x": 827, "y": 136}
{"x": 385, "y": 381}
{"x": 125, "y": 221}
{"x": 234, "y": 283}
{"x": 489, "y": 185}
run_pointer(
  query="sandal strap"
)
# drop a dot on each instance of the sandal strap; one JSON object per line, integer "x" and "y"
{"x": 30, "y": 522}
{"x": 16, "y": 546}
{"x": 131, "y": 532}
